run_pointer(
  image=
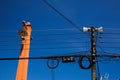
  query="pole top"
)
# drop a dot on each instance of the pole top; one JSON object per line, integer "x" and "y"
{"x": 86, "y": 29}
{"x": 26, "y": 23}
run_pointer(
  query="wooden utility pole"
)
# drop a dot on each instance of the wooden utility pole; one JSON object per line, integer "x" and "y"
{"x": 23, "y": 64}
{"x": 93, "y": 53}
{"x": 93, "y": 48}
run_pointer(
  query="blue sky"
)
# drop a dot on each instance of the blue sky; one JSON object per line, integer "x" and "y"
{"x": 105, "y": 13}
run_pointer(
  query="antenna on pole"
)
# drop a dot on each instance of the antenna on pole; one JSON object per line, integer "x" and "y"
{"x": 104, "y": 77}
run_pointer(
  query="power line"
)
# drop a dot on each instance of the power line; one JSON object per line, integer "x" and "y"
{"x": 49, "y": 48}
{"x": 52, "y": 57}
{"x": 58, "y": 34}
{"x": 55, "y": 34}
{"x": 43, "y": 30}
{"x": 47, "y": 43}
{"x": 52, "y": 7}
{"x": 103, "y": 42}
{"x": 62, "y": 29}
{"x": 98, "y": 70}
{"x": 117, "y": 47}
{"x": 8, "y": 31}
{"x": 112, "y": 28}
{"x": 9, "y": 40}
{"x": 56, "y": 29}
{"x": 110, "y": 33}
{"x": 45, "y": 39}
{"x": 66, "y": 38}
{"x": 107, "y": 37}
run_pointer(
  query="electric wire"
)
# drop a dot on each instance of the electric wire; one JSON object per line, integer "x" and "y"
{"x": 8, "y": 40}
{"x": 98, "y": 70}
{"x": 61, "y": 38}
{"x": 103, "y": 42}
{"x": 71, "y": 22}
{"x": 51, "y": 57}
{"x": 8, "y": 31}
{"x": 57, "y": 34}
{"x": 112, "y": 28}
{"x": 56, "y": 29}
{"x": 111, "y": 33}
{"x": 60, "y": 29}
{"x": 42, "y": 30}
{"x": 111, "y": 47}
{"x": 84, "y": 46}
{"x": 47, "y": 38}
{"x": 46, "y": 43}
{"x": 109, "y": 37}
{"x": 47, "y": 48}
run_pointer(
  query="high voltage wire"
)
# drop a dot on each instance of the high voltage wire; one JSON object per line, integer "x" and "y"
{"x": 98, "y": 70}
{"x": 52, "y": 57}
{"x": 71, "y": 43}
{"x": 110, "y": 33}
{"x": 71, "y": 22}
{"x": 55, "y": 34}
{"x": 53, "y": 29}
{"x": 61, "y": 43}
{"x": 110, "y": 42}
{"x": 47, "y": 43}
{"x": 63, "y": 29}
{"x": 56, "y": 29}
{"x": 63, "y": 33}
{"x": 112, "y": 28}
{"x": 48, "y": 48}
{"x": 9, "y": 40}
{"x": 38, "y": 58}
{"x": 59, "y": 34}
{"x": 8, "y": 31}
{"x": 66, "y": 38}
{"x": 76, "y": 53}
{"x": 109, "y": 37}
{"x": 44, "y": 30}
{"x": 102, "y": 48}
{"x": 45, "y": 39}
{"x": 48, "y": 33}
{"x": 117, "y": 47}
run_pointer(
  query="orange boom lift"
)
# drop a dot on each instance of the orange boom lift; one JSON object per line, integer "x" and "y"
{"x": 23, "y": 63}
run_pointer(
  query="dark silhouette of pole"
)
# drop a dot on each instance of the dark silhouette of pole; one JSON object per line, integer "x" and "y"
{"x": 93, "y": 53}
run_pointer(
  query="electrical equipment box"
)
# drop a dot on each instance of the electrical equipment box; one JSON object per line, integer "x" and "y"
{"x": 66, "y": 59}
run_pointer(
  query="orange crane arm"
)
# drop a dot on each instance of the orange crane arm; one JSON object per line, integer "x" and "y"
{"x": 24, "y": 53}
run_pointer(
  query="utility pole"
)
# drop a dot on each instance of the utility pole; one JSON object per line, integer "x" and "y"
{"x": 93, "y": 49}
{"x": 93, "y": 53}
{"x": 22, "y": 68}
